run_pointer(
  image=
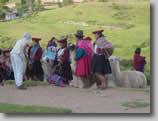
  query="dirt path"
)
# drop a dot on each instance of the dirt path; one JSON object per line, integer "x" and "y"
{"x": 79, "y": 100}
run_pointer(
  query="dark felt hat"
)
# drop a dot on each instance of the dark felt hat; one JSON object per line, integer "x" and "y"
{"x": 79, "y": 34}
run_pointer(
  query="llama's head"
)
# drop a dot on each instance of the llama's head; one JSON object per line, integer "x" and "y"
{"x": 48, "y": 65}
{"x": 115, "y": 63}
{"x": 71, "y": 47}
{"x": 45, "y": 60}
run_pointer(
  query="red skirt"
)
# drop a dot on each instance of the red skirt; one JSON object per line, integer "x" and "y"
{"x": 83, "y": 66}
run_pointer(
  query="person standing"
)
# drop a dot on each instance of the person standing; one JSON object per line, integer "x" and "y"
{"x": 100, "y": 63}
{"x": 18, "y": 57}
{"x": 34, "y": 57}
{"x": 52, "y": 43}
{"x": 83, "y": 57}
{"x": 139, "y": 61}
{"x": 63, "y": 59}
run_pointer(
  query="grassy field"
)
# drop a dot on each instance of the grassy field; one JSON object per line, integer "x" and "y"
{"x": 13, "y": 108}
{"x": 28, "y": 83}
{"x": 132, "y": 17}
{"x": 135, "y": 104}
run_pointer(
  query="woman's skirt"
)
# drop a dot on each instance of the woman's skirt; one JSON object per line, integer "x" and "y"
{"x": 83, "y": 66}
{"x": 65, "y": 72}
{"x": 36, "y": 71}
{"x": 100, "y": 65}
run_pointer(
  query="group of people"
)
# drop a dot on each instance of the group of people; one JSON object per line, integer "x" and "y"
{"x": 90, "y": 58}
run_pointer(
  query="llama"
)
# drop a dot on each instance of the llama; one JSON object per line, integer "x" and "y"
{"x": 48, "y": 67}
{"x": 128, "y": 79}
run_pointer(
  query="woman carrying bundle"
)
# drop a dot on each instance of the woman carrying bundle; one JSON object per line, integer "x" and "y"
{"x": 100, "y": 63}
{"x": 83, "y": 57}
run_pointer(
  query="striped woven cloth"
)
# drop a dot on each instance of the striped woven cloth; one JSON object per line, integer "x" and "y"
{"x": 56, "y": 80}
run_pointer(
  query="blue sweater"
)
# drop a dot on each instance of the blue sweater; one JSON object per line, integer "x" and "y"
{"x": 80, "y": 53}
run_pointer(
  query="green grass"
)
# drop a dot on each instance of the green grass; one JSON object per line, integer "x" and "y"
{"x": 13, "y": 108}
{"x": 28, "y": 83}
{"x": 136, "y": 89}
{"x": 135, "y": 104}
{"x": 132, "y": 17}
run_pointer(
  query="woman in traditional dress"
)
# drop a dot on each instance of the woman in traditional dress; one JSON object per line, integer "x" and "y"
{"x": 6, "y": 65}
{"x": 100, "y": 63}
{"x": 63, "y": 60}
{"x": 83, "y": 57}
{"x": 139, "y": 61}
{"x": 52, "y": 43}
{"x": 18, "y": 58}
{"x": 34, "y": 55}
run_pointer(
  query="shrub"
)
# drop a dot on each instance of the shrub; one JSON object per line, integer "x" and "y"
{"x": 67, "y": 2}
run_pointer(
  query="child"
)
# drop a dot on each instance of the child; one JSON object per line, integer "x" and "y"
{"x": 63, "y": 60}
{"x": 139, "y": 61}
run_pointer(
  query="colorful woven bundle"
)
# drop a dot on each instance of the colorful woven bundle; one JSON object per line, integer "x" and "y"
{"x": 109, "y": 48}
{"x": 50, "y": 52}
{"x": 55, "y": 79}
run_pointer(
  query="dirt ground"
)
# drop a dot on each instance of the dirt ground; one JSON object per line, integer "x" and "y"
{"x": 79, "y": 100}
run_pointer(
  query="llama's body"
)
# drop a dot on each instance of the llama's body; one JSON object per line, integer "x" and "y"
{"x": 128, "y": 79}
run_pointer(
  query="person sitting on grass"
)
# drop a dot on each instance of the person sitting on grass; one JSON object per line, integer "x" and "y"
{"x": 63, "y": 59}
{"x": 139, "y": 61}
{"x": 6, "y": 65}
{"x": 52, "y": 43}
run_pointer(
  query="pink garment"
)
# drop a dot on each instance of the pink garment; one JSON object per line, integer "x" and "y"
{"x": 83, "y": 66}
{"x": 86, "y": 45}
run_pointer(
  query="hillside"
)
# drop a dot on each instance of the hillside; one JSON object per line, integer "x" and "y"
{"x": 126, "y": 25}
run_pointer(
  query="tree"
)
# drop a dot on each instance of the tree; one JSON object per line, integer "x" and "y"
{"x": 2, "y": 2}
{"x": 23, "y": 2}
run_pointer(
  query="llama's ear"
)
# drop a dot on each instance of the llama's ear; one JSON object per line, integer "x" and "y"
{"x": 47, "y": 59}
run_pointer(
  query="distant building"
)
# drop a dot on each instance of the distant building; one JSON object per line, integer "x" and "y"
{"x": 11, "y": 5}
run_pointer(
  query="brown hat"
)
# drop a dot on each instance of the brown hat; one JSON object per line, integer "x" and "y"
{"x": 79, "y": 34}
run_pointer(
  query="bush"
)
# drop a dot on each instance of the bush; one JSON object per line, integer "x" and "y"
{"x": 103, "y": 0}
{"x": 126, "y": 63}
{"x": 5, "y": 42}
{"x": 67, "y": 2}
